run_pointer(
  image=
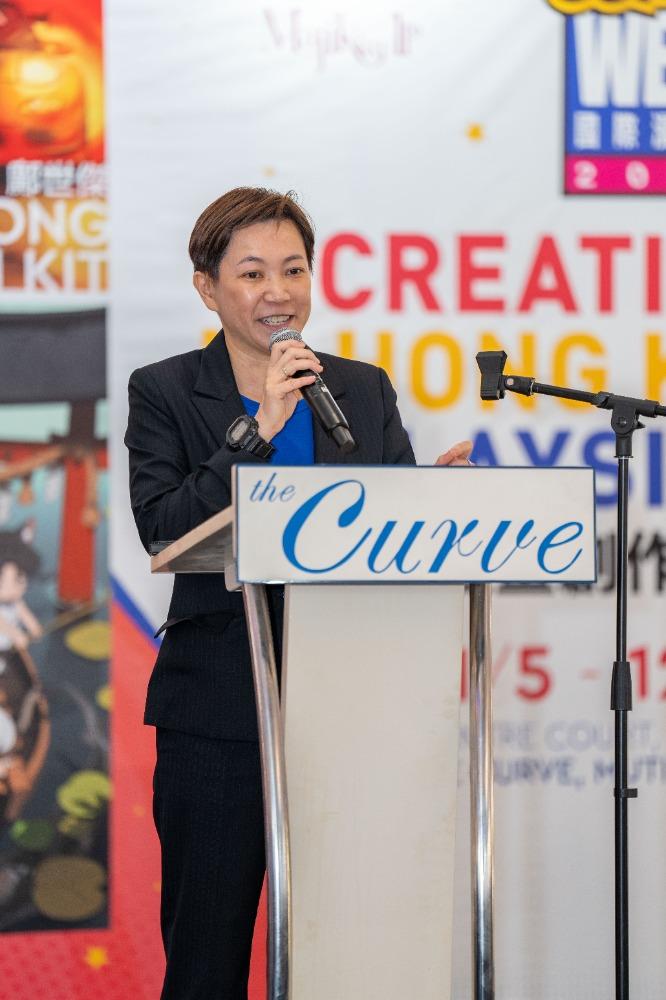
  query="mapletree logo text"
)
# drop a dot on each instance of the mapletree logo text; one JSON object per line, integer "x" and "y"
{"x": 324, "y": 36}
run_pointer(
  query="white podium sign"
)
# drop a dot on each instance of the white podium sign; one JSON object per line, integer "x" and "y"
{"x": 380, "y": 524}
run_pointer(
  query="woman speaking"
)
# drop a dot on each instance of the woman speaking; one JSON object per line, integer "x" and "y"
{"x": 191, "y": 418}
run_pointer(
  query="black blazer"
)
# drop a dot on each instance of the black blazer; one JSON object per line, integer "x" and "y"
{"x": 180, "y": 474}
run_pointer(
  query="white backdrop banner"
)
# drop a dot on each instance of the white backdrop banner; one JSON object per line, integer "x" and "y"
{"x": 482, "y": 175}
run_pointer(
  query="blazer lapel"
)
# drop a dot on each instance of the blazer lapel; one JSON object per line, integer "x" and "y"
{"x": 215, "y": 394}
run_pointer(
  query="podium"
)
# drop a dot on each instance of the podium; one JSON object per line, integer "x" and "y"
{"x": 359, "y": 761}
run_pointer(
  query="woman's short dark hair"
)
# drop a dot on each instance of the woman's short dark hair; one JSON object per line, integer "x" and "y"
{"x": 238, "y": 208}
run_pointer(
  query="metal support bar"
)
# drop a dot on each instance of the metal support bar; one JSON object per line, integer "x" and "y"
{"x": 276, "y": 819}
{"x": 621, "y": 700}
{"x": 481, "y": 791}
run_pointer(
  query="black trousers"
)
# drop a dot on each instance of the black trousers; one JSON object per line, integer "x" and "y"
{"x": 208, "y": 813}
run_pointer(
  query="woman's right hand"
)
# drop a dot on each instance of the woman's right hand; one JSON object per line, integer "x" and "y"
{"x": 281, "y": 389}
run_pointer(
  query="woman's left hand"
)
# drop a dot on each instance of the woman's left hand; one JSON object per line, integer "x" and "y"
{"x": 457, "y": 455}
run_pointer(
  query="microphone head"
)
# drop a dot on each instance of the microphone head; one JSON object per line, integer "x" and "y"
{"x": 280, "y": 335}
{"x": 491, "y": 365}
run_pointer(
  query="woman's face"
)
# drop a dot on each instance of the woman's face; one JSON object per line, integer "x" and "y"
{"x": 264, "y": 285}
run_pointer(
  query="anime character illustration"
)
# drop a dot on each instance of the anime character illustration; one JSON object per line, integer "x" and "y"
{"x": 24, "y": 724}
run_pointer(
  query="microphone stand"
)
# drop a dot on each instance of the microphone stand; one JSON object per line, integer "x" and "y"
{"x": 624, "y": 421}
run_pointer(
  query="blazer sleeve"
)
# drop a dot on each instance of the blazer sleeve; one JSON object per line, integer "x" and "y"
{"x": 397, "y": 449}
{"x": 168, "y": 497}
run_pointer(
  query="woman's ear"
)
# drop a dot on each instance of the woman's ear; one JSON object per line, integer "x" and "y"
{"x": 203, "y": 284}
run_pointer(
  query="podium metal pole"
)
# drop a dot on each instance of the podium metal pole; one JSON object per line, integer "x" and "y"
{"x": 481, "y": 791}
{"x": 276, "y": 819}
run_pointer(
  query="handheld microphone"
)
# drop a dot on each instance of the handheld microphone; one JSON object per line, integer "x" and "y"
{"x": 320, "y": 401}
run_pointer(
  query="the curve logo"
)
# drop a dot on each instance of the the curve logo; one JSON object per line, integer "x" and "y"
{"x": 409, "y": 545}
{"x": 421, "y": 524}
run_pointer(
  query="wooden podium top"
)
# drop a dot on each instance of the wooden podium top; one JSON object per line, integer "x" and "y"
{"x": 205, "y": 549}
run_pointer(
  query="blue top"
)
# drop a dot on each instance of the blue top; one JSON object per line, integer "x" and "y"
{"x": 294, "y": 444}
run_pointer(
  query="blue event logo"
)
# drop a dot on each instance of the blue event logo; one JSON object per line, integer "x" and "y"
{"x": 615, "y": 96}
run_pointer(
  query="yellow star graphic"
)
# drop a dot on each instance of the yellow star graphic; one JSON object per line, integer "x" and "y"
{"x": 96, "y": 957}
{"x": 475, "y": 132}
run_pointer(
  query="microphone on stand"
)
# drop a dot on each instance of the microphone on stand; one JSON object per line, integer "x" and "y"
{"x": 320, "y": 401}
{"x": 493, "y": 381}
{"x": 491, "y": 365}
